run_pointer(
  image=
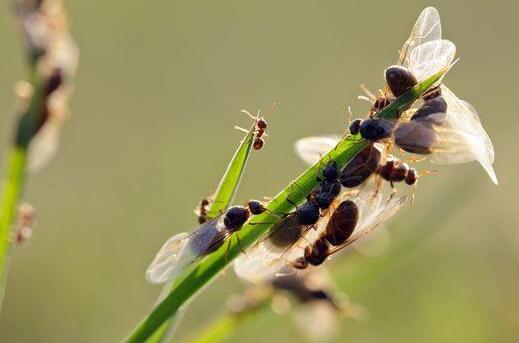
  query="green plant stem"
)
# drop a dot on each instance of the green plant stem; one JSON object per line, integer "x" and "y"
{"x": 12, "y": 189}
{"x": 222, "y": 199}
{"x": 190, "y": 282}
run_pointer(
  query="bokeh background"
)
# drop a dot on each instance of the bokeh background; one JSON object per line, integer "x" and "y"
{"x": 158, "y": 91}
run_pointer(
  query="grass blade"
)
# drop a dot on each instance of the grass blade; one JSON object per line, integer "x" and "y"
{"x": 222, "y": 199}
{"x": 231, "y": 179}
{"x": 189, "y": 283}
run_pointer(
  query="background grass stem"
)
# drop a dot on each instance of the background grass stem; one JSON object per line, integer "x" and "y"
{"x": 12, "y": 189}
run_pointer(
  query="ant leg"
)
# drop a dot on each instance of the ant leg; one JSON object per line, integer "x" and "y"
{"x": 255, "y": 118}
{"x": 349, "y": 115}
{"x": 239, "y": 245}
{"x": 291, "y": 202}
{"x": 414, "y": 159}
{"x": 393, "y": 192}
{"x": 428, "y": 172}
{"x": 378, "y": 185}
{"x": 288, "y": 197}
{"x": 277, "y": 215}
{"x": 227, "y": 251}
{"x": 413, "y": 192}
{"x": 260, "y": 223}
{"x": 366, "y": 90}
{"x": 241, "y": 129}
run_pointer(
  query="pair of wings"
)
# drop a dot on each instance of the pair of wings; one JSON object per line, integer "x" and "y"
{"x": 425, "y": 52}
{"x": 181, "y": 250}
{"x": 461, "y": 137}
{"x": 264, "y": 261}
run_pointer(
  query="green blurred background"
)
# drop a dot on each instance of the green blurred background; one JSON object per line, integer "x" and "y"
{"x": 159, "y": 88}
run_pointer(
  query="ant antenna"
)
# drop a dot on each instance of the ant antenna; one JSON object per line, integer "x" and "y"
{"x": 255, "y": 118}
{"x": 366, "y": 90}
{"x": 349, "y": 115}
{"x": 272, "y": 108}
{"x": 365, "y": 98}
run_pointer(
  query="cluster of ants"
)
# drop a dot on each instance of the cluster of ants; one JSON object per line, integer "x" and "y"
{"x": 366, "y": 163}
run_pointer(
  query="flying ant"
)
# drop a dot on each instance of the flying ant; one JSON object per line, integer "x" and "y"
{"x": 183, "y": 249}
{"x": 345, "y": 227}
{"x": 361, "y": 167}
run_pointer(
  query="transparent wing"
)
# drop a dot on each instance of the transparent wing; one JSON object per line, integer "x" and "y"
{"x": 374, "y": 211}
{"x": 462, "y": 138}
{"x": 269, "y": 258}
{"x": 427, "y": 28}
{"x": 181, "y": 250}
{"x": 431, "y": 57}
{"x": 377, "y": 243}
{"x": 311, "y": 149}
{"x": 170, "y": 260}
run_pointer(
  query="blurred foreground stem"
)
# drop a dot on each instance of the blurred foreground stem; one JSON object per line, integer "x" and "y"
{"x": 222, "y": 327}
{"x": 12, "y": 189}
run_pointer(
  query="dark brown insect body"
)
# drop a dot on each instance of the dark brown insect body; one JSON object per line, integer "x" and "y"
{"x": 361, "y": 167}
{"x": 233, "y": 220}
{"x": 261, "y": 125}
{"x": 256, "y": 207}
{"x": 431, "y": 106}
{"x": 304, "y": 291}
{"x": 314, "y": 254}
{"x": 417, "y": 136}
{"x": 329, "y": 187}
{"x": 399, "y": 79}
{"x": 203, "y": 208}
{"x": 342, "y": 223}
{"x": 380, "y": 103}
{"x": 397, "y": 171}
{"x": 339, "y": 228}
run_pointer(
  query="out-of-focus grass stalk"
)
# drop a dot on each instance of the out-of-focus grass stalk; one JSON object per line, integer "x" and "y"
{"x": 222, "y": 199}
{"x": 194, "y": 279}
{"x": 15, "y": 175}
{"x": 51, "y": 60}
{"x": 12, "y": 189}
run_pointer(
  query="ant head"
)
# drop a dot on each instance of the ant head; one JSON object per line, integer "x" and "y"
{"x": 331, "y": 171}
{"x": 256, "y": 207}
{"x": 300, "y": 263}
{"x": 354, "y": 126}
{"x": 262, "y": 123}
{"x": 411, "y": 177}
